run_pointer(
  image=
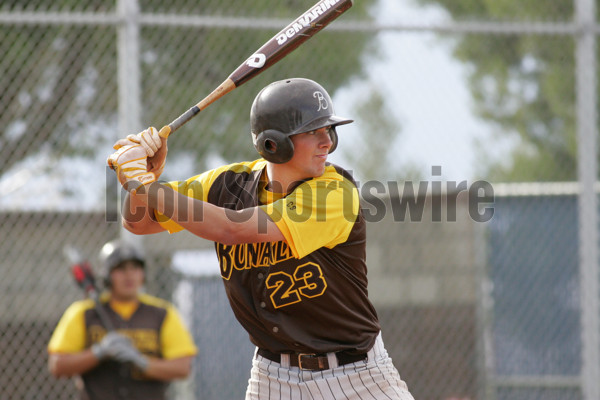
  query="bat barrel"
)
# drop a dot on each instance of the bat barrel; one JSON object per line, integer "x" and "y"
{"x": 289, "y": 38}
{"x": 85, "y": 279}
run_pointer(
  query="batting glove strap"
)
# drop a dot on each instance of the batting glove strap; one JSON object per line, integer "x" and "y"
{"x": 136, "y": 170}
{"x": 131, "y": 164}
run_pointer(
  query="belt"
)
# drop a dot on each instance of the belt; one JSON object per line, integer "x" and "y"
{"x": 312, "y": 361}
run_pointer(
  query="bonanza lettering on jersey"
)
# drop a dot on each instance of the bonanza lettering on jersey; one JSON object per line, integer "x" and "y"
{"x": 250, "y": 255}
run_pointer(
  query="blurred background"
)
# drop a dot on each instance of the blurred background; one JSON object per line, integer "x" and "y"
{"x": 474, "y": 144}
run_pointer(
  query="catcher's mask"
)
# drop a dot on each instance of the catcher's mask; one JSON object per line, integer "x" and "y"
{"x": 288, "y": 107}
{"x": 113, "y": 254}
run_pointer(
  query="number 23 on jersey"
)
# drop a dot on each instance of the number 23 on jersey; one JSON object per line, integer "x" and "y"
{"x": 306, "y": 281}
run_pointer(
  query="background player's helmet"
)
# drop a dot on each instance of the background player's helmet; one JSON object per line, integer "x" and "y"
{"x": 288, "y": 107}
{"x": 114, "y": 253}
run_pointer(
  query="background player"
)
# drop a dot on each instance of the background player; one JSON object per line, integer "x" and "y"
{"x": 149, "y": 347}
{"x": 290, "y": 238}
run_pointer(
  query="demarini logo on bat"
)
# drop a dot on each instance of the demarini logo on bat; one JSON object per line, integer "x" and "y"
{"x": 305, "y": 20}
{"x": 256, "y": 60}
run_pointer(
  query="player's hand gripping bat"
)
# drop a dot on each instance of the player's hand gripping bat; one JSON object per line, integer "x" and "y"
{"x": 84, "y": 277}
{"x": 280, "y": 45}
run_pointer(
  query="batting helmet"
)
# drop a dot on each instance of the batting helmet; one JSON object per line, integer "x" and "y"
{"x": 288, "y": 107}
{"x": 114, "y": 253}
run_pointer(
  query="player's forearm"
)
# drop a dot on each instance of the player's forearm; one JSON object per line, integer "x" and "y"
{"x": 137, "y": 217}
{"x": 67, "y": 365}
{"x": 198, "y": 217}
{"x": 167, "y": 370}
{"x": 209, "y": 221}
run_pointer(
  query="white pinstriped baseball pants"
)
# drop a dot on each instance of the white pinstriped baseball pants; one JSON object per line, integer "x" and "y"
{"x": 373, "y": 379}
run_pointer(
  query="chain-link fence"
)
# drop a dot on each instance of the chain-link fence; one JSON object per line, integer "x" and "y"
{"x": 484, "y": 291}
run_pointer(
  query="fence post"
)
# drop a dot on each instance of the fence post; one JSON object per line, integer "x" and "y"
{"x": 587, "y": 133}
{"x": 129, "y": 77}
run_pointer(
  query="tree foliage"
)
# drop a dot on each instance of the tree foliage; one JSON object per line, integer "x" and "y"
{"x": 370, "y": 154}
{"x": 524, "y": 85}
{"x": 59, "y": 82}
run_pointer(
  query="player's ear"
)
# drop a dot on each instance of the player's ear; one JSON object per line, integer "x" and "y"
{"x": 274, "y": 146}
{"x": 334, "y": 139}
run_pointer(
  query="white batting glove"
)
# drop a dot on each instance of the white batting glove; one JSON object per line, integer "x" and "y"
{"x": 106, "y": 347}
{"x": 126, "y": 352}
{"x": 131, "y": 164}
{"x": 149, "y": 139}
{"x": 153, "y": 144}
{"x": 115, "y": 346}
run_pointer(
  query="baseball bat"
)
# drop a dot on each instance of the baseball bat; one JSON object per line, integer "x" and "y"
{"x": 85, "y": 279}
{"x": 280, "y": 45}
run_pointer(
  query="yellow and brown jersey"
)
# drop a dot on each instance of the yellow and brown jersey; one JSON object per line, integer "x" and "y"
{"x": 309, "y": 292}
{"x": 153, "y": 325}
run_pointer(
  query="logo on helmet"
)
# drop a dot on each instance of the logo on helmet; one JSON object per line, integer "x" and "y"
{"x": 323, "y": 105}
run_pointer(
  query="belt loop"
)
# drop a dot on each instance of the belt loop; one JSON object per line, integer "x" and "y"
{"x": 332, "y": 360}
{"x": 285, "y": 360}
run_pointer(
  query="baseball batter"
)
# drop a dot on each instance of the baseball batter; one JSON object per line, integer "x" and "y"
{"x": 290, "y": 238}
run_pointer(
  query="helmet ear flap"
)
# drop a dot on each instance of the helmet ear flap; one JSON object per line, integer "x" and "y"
{"x": 334, "y": 139}
{"x": 274, "y": 146}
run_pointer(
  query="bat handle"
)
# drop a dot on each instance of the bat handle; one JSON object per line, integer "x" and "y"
{"x": 227, "y": 86}
{"x": 104, "y": 319}
{"x": 166, "y": 130}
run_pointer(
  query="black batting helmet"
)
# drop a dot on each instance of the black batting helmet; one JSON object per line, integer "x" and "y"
{"x": 288, "y": 107}
{"x": 114, "y": 253}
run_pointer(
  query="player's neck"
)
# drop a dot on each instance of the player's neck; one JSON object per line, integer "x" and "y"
{"x": 125, "y": 308}
{"x": 124, "y": 299}
{"x": 280, "y": 178}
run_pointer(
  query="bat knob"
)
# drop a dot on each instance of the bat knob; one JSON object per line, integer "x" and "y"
{"x": 165, "y": 131}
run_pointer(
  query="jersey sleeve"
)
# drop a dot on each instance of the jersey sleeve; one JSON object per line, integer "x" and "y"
{"x": 176, "y": 340}
{"x": 195, "y": 187}
{"x": 69, "y": 335}
{"x": 318, "y": 213}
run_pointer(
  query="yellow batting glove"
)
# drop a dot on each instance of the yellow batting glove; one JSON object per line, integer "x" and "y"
{"x": 155, "y": 146}
{"x": 131, "y": 164}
